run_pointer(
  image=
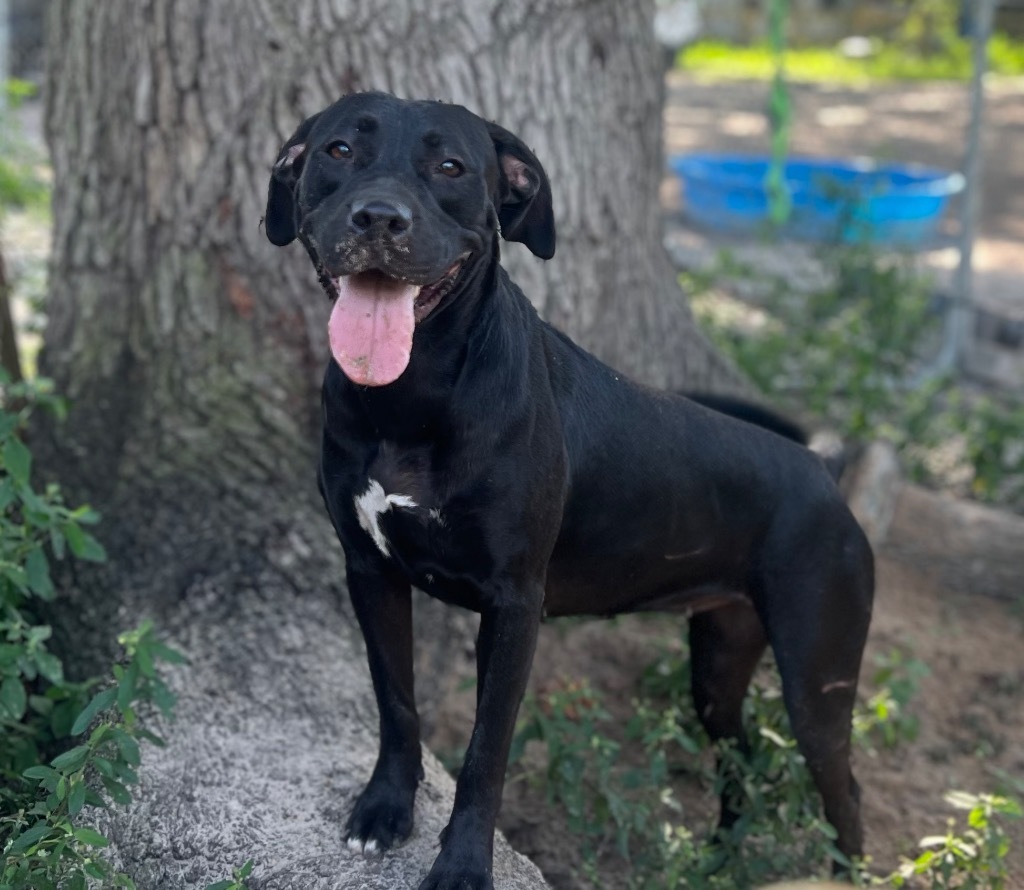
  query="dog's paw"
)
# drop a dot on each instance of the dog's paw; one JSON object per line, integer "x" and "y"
{"x": 457, "y": 879}
{"x": 454, "y": 870}
{"x": 382, "y": 818}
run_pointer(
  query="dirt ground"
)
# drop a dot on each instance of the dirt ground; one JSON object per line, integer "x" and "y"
{"x": 971, "y": 705}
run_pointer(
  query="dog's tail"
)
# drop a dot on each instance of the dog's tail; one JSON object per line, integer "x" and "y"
{"x": 751, "y": 413}
{"x": 827, "y": 445}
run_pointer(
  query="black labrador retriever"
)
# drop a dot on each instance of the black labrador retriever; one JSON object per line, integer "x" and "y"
{"x": 475, "y": 452}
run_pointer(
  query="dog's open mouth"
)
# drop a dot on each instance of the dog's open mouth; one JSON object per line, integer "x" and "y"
{"x": 431, "y": 294}
{"x": 373, "y": 320}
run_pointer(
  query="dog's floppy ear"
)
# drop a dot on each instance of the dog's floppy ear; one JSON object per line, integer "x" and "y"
{"x": 524, "y": 196}
{"x": 280, "y": 216}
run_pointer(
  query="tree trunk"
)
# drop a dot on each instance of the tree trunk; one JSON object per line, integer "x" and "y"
{"x": 192, "y": 350}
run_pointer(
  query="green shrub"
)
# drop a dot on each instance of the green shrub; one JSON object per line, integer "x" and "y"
{"x": 65, "y": 746}
{"x": 971, "y": 857}
{"x": 582, "y": 773}
{"x": 613, "y": 805}
{"x": 37, "y": 704}
{"x": 851, "y": 351}
{"x": 46, "y": 841}
{"x": 886, "y": 717}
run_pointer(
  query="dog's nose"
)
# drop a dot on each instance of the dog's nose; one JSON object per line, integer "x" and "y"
{"x": 378, "y": 217}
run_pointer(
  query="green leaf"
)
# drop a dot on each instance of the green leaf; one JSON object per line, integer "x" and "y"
{"x": 117, "y": 791}
{"x": 166, "y": 653}
{"x": 94, "y": 799}
{"x": 91, "y": 837}
{"x": 74, "y": 535}
{"x": 63, "y": 716}
{"x": 93, "y": 551}
{"x": 98, "y": 734}
{"x": 28, "y": 837}
{"x": 129, "y": 749}
{"x": 13, "y": 699}
{"x": 221, "y": 885}
{"x": 57, "y": 542}
{"x": 71, "y": 760}
{"x": 38, "y": 511}
{"x": 16, "y": 575}
{"x": 76, "y": 799}
{"x": 126, "y": 774}
{"x": 144, "y": 658}
{"x": 37, "y": 574}
{"x": 94, "y": 870}
{"x": 163, "y": 698}
{"x": 41, "y": 773}
{"x": 50, "y": 666}
{"x": 100, "y": 702}
{"x": 17, "y": 460}
{"x": 39, "y": 633}
{"x": 150, "y": 737}
{"x": 126, "y": 687}
{"x": 103, "y": 766}
{"x": 1007, "y": 806}
{"x": 6, "y": 493}
{"x": 85, "y": 515}
{"x": 82, "y": 544}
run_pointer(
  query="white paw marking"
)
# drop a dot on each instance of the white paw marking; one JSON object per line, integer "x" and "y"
{"x": 369, "y": 848}
{"x": 374, "y": 503}
{"x": 435, "y": 514}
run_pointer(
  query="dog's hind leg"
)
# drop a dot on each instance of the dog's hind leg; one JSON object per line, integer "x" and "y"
{"x": 818, "y": 649}
{"x": 725, "y": 647}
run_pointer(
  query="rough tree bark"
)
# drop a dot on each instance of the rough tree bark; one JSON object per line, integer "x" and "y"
{"x": 191, "y": 351}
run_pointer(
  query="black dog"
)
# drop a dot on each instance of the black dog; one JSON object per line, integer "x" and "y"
{"x": 473, "y": 451}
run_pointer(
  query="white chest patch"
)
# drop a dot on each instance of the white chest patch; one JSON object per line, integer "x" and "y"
{"x": 374, "y": 503}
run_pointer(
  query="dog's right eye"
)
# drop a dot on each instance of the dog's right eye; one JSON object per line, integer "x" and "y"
{"x": 339, "y": 150}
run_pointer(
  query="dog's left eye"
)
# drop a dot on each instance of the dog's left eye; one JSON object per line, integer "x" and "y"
{"x": 451, "y": 167}
{"x": 339, "y": 150}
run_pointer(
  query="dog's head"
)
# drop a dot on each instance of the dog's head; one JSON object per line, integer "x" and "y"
{"x": 396, "y": 201}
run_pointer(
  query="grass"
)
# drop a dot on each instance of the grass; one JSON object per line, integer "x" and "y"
{"x": 891, "y": 62}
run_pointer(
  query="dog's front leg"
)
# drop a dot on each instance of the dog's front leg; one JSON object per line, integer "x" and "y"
{"x": 383, "y": 604}
{"x": 505, "y": 646}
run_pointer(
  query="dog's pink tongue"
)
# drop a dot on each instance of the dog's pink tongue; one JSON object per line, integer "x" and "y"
{"x": 371, "y": 327}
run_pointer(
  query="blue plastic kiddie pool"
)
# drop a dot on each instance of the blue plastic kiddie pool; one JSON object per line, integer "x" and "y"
{"x": 850, "y": 200}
